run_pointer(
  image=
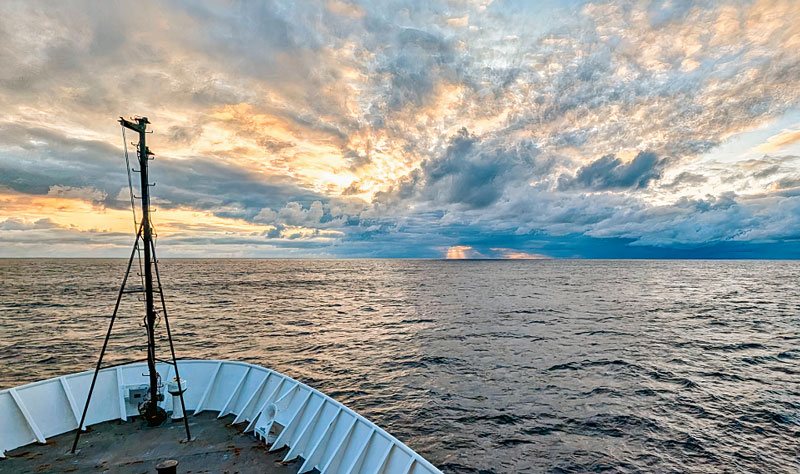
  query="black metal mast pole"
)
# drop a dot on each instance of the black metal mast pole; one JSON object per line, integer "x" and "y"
{"x": 153, "y": 413}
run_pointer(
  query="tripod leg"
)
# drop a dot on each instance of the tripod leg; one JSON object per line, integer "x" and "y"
{"x": 171, "y": 347}
{"x": 105, "y": 344}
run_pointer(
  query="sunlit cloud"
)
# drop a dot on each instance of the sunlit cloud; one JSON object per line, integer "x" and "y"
{"x": 71, "y": 209}
{"x": 459, "y": 252}
{"x": 781, "y": 140}
{"x": 513, "y": 254}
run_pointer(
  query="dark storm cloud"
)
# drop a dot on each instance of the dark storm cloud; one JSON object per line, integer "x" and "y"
{"x": 462, "y": 176}
{"x": 34, "y": 159}
{"x": 206, "y": 183}
{"x": 609, "y": 172}
{"x": 475, "y": 174}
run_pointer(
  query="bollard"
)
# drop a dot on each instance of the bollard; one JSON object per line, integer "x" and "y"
{"x": 170, "y": 466}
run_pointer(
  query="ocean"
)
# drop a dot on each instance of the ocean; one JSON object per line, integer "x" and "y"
{"x": 480, "y": 366}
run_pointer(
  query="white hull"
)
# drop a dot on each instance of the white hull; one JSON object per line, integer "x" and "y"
{"x": 327, "y": 435}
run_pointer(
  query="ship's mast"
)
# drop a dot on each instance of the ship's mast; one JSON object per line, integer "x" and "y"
{"x": 152, "y": 414}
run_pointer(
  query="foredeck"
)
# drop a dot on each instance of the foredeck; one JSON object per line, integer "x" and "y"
{"x": 132, "y": 447}
{"x": 275, "y": 410}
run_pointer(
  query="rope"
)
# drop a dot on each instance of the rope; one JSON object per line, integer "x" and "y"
{"x": 130, "y": 182}
{"x": 133, "y": 203}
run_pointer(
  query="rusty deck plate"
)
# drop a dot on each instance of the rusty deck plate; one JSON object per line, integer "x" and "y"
{"x": 132, "y": 447}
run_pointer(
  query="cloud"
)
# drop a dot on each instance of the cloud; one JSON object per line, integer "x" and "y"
{"x": 421, "y": 60}
{"x": 459, "y": 252}
{"x": 462, "y": 176}
{"x": 475, "y": 174}
{"x": 686, "y": 178}
{"x": 293, "y": 214}
{"x": 779, "y": 141}
{"x": 609, "y": 173}
{"x": 86, "y": 193}
{"x": 183, "y": 135}
{"x": 408, "y": 128}
{"x": 513, "y": 254}
{"x": 352, "y": 10}
{"x": 351, "y": 190}
{"x": 789, "y": 183}
{"x": 19, "y": 224}
{"x": 41, "y": 161}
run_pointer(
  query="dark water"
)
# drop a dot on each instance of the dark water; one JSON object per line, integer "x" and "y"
{"x": 491, "y": 367}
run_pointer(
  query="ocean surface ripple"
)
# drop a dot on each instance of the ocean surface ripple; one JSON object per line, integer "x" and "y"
{"x": 480, "y": 366}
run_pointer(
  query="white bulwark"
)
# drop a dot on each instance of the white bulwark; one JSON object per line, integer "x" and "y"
{"x": 283, "y": 412}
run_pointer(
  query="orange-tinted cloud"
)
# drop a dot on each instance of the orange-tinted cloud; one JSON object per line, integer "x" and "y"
{"x": 518, "y": 254}
{"x": 779, "y": 141}
{"x": 458, "y": 252}
{"x": 75, "y": 212}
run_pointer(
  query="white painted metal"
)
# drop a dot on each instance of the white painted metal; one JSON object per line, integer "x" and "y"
{"x": 72, "y": 405}
{"x": 28, "y": 417}
{"x": 123, "y": 415}
{"x": 175, "y": 390}
{"x": 201, "y": 404}
{"x": 225, "y": 408}
{"x": 327, "y": 435}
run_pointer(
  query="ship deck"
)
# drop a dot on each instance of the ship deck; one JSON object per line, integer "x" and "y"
{"x": 133, "y": 447}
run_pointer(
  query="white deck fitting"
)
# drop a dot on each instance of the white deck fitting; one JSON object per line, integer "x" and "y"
{"x": 327, "y": 435}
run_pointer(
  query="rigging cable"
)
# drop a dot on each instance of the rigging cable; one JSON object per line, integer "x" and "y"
{"x": 133, "y": 205}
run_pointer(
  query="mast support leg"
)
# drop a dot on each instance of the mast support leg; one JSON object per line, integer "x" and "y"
{"x": 171, "y": 347}
{"x": 105, "y": 342}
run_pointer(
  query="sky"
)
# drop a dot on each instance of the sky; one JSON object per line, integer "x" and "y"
{"x": 420, "y": 129}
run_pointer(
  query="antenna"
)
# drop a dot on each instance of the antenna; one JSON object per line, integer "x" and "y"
{"x": 152, "y": 412}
